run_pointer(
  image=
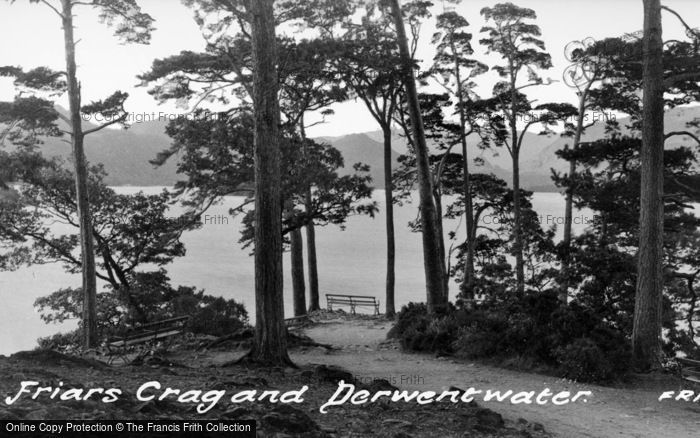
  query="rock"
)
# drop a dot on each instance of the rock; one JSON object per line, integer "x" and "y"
{"x": 41, "y": 357}
{"x": 537, "y": 427}
{"x": 237, "y": 412}
{"x": 39, "y": 414}
{"x": 287, "y": 419}
{"x": 51, "y": 412}
{"x": 241, "y": 380}
{"x": 402, "y": 435}
{"x": 157, "y": 407}
{"x": 379, "y": 385}
{"x": 487, "y": 420}
{"x": 333, "y": 374}
{"x": 454, "y": 388}
{"x": 397, "y": 423}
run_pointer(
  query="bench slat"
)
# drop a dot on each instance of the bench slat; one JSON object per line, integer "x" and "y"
{"x": 351, "y": 296}
{"x": 146, "y": 333}
{"x": 686, "y": 361}
{"x": 353, "y": 301}
{"x": 145, "y": 338}
{"x": 692, "y": 379}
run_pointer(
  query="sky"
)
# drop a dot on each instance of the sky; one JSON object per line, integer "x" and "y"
{"x": 32, "y": 37}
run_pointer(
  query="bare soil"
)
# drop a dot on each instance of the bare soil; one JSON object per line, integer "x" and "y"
{"x": 360, "y": 347}
{"x": 629, "y": 410}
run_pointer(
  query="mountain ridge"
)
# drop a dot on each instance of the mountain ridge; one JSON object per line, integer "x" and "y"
{"x": 125, "y": 154}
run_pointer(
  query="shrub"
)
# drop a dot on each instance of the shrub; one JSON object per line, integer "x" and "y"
{"x": 535, "y": 329}
{"x": 483, "y": 336}
{"x": 218, "y": 317}
{"x": 411, "y": 315}
{"x": 417, "y": 331}
{"x": 587, "y": 360}
{"x": 60, "y": 341}
{"x": 209, "y": 315}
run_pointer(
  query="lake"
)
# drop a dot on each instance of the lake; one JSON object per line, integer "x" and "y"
{"x": 349, "y": 262}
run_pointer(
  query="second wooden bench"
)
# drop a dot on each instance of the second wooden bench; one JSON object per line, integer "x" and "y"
{"x": 353, "y": 301}
{"x": 144, "y": 334}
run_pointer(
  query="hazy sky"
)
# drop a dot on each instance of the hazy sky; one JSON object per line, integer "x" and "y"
{"x": 32, "y": 36}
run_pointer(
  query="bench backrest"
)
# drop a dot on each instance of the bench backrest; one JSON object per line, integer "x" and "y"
{"x": 152, "y": 331}
{"x": 350, "y": 296}
{"x": 296, "y": 320}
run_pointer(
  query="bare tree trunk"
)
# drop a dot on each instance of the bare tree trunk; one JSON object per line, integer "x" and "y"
{"x": 515, "y": 155}
{"x": 310, "y": 239}
{"x": 441, "y": 244}
{"x": 434, "y": 281}
{"x": 443, "y": 251}
{"x": 311, "y": 258}
{"x": 87, "y": 249}
{"x": 568, "y": 219}
{"x": 270, "y": 346}
{"x": 298, "y": 282}
{"x": 469, "y": 272}
{"x": 468, "y": 281}
{"x": 646, "y": 333}
{"x": 569, "y": 207}
{"x": 517, "y": 229}
{"x": 390, "y": 239}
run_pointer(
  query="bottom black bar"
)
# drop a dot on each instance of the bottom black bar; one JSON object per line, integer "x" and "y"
{"x": 127, "y": 428}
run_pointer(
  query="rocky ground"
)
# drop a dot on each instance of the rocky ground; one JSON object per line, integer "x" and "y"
{"x": 337, "y": 347}
{"x": 188, "y": 366}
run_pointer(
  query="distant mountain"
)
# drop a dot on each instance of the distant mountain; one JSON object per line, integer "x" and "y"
{"x": 126, "y": 153}
{"x": 360, "y": 148}
{"x": 497, "y": 160}
{"x": 674, "y": 120}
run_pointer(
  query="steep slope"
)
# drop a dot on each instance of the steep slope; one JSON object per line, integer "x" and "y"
{"x": 360, "y": 148}
{"x": 674, "y": 120}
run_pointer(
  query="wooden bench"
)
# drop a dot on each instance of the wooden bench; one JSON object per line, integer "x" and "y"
{"x": 353, "y": 301}
{"x": 150, "y": 333}
{"x": 690, "y": 369}
{"x": 296, "y": 321}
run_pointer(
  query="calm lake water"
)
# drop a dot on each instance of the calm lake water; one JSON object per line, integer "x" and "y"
{"x": 350, "y": 262}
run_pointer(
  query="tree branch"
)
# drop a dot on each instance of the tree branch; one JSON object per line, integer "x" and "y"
{"x": 689, "y": 134}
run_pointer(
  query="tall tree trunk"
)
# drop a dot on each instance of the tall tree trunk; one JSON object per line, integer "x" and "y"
{"x": 310, "y": 238}
{"x": 468, "y": 282}
{"x": 517, "y": 228}
{"x": 311, "y": 257}
{"x": 646, "y": 332}
{"x": 298, "y": 282}
{"x": 568, "y": 219}
{"x": 434, "y": 281}
{"x": 569, "y": 206}
{"x": 469, "y": 272}
{"x": 515, "y": 155}
{"x": 569, "y": 209}
{"x": 443, "y": 250}
{"x": 87, "y": 249}
{"x": 390, "y": 239}
{"x": 270, "y": 346}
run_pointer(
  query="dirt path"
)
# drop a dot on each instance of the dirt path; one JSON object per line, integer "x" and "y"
{"x": 609, "y": 412}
